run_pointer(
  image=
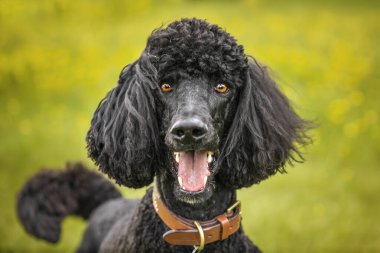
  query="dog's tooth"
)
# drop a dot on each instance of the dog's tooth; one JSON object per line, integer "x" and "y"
{"x": 205, "y": 180}
{"x": 176, "y": 154}
{"x": 209, "y": 157}
{"x": 180, "y": 182}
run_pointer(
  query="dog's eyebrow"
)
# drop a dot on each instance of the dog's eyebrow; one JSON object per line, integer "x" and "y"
{"x": 168, "y": 76}
{"x": 173, "y": 76}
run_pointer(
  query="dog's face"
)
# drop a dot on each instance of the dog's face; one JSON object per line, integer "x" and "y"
{"x": 198, "y": 78}
{"x": 196, "y": 108}
{"x": 195, "y": 111}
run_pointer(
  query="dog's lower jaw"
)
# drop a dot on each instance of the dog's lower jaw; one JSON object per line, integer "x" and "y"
{"x": 212, "y": 205}
{"x": 193, "y": 199}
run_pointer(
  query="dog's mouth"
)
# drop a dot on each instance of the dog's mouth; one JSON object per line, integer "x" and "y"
{"x": 194, "y": 168}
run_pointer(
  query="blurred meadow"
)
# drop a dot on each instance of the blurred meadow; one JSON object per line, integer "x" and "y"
{"x": 58, "y": 58}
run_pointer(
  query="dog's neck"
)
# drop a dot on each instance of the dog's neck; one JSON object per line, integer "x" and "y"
{"x": 217, "y": 204}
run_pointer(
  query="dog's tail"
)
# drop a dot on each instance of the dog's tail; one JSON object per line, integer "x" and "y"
{"x": 51, "y": 195}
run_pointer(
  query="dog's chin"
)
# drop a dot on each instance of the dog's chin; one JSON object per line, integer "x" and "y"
{"x": 193, "y": 172}
{"x": 194, "y": 198}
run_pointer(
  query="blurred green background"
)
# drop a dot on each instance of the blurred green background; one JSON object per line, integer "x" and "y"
{"x": 58, "y": 58}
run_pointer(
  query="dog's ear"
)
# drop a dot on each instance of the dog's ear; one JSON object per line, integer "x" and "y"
{"x": 123, "y": 138}
{"x": 265, "y": 134}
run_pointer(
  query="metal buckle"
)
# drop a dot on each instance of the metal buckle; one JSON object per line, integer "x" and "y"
{"x": 233, "y": 207}
{"x": 201, "y": 237}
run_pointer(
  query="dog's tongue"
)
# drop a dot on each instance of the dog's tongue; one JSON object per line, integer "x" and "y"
{"x": 193, "y": 170}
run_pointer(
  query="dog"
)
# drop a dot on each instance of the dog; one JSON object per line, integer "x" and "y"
{"x": 196, "y": 116}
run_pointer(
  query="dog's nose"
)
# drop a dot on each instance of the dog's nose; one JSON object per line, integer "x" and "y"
{"x": 189, "y": 130}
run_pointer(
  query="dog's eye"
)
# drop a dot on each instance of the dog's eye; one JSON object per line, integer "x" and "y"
{"x": 221, "y": 88}
{"x": 165, "y": 87}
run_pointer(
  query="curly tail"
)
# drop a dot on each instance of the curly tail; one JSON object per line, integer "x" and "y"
{"x": 51, "y": 195}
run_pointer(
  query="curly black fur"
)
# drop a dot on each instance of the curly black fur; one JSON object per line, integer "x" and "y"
{"x": 123, "y": 137}
{"x": 252, "y": 131}
{"x": 51, "y": 195}
{"x": 265, "y": 133}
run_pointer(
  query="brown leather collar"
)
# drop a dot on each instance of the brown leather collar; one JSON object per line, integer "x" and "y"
{"x": 190, "y": 232}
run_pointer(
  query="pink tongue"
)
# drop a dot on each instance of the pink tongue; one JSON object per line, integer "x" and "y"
{"x": 193, "y": 168}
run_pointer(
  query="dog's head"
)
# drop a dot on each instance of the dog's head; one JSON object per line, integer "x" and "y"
{"x": 195, "y": 107}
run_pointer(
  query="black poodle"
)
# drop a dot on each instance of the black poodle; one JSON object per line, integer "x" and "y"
{"x": 196, "y": 115}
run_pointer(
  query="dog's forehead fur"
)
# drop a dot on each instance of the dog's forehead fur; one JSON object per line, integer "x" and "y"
{"x": 207, "y": 49}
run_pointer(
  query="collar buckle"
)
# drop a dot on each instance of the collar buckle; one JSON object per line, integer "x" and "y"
{"x": 236, "y": 205}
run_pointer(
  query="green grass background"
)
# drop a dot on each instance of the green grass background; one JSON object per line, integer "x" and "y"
{"x": 58, "y": 58}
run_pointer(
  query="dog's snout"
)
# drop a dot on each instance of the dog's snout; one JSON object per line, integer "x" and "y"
{"x": 189, "y": 130}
